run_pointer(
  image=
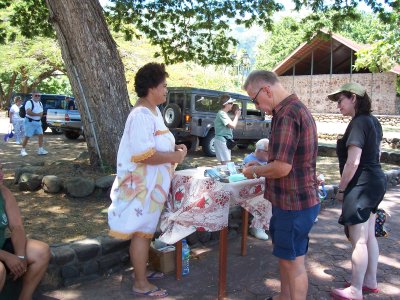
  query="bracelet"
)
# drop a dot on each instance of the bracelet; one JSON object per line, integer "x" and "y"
{"x": 21, "y": 256}
{"x": 254, "y": 173}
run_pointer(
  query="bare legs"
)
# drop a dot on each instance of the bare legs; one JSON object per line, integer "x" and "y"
{"x": 294, "y": 279}
{"x": 26, "y": 139}
{"x": 364, "y": 258}
{"x": 2, "y": 276}
{"x": 40, "y": 141}
{"x": 139, "y": 252}
{"x": 38, "y": 255}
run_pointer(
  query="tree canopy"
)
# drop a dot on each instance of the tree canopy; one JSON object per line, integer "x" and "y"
{"x": 199, "y": 31}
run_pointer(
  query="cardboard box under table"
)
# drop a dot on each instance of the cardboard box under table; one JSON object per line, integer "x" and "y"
{"x": 162, "y": 261}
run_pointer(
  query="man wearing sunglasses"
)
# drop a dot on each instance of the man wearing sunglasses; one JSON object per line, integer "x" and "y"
{"x": 33, "y": 124}
{"x": 291, "y": 183}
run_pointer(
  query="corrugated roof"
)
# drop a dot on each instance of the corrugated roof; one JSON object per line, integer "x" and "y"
{"x": 323, "y": 46}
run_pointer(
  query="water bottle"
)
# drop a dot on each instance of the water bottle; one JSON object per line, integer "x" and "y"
{"x": 185, "y": 257}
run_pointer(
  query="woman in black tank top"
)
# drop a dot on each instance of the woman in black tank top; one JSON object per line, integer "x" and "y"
{"x": 361, "y": 188}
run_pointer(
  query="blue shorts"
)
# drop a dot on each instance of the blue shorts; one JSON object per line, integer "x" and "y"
{"x": 289, "y": 231}
{"x": 33, "y": 127}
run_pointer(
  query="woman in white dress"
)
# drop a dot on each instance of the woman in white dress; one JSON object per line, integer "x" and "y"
{"x": 17, "y": 121}
{"x": 146, "y": 157}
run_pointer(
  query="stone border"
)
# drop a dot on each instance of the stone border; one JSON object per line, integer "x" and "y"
{"x": 386, "y": 157}
{"x": 92, "y": 258}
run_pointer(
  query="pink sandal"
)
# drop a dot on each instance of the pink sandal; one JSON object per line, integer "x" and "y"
{"x": 365, "y": 288}
{"x": 340, "y": 294}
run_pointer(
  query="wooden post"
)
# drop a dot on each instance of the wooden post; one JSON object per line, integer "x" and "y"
{"x": 223, "y": 247}
{"x": 178, "y": 249}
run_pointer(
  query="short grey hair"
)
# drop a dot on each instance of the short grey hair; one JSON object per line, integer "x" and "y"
{"x": 260, "y": 76}
{"x": 262, "y": 144}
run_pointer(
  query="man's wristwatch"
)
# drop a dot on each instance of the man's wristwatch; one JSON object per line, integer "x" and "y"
{"x": 21, "y": 257}
{"x": 254, "y": 173}
{"x": 340, "y": 191}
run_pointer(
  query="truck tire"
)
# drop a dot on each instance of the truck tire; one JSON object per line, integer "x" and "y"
{"x": 208, "y": 144}
{"x": 172, "y": 115}
{"x": 72, "y": 135}
{"x": 56, "y": 130}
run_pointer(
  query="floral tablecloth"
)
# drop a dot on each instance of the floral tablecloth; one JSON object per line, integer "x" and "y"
{"x": 200, "y": 203}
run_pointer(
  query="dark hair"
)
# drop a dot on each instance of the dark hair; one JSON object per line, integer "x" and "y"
{"x": 149, "y": 76}
{"x": 260, "y": 76}
{"x": 363, "y": 104}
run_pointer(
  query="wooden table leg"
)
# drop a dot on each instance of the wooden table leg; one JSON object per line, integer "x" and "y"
{"x": 223, "y": 247}
{"x": 245, "y": 228}
{"x": 178, "y": 262}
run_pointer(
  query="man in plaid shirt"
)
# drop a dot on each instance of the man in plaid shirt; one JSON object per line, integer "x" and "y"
{"x": 291, "y": 183}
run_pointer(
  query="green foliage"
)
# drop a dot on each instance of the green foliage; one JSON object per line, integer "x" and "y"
{"x": 137, "y": 52}
{"x": 190, "y": 31}
{"x": 31, "y": 17}
{"x": 286, "y": 35}
{"x": 55, "y": 85}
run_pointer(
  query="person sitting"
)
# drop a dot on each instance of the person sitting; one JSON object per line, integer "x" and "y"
{"x": 260, "y": 155}
{"x": 19, "y": 257}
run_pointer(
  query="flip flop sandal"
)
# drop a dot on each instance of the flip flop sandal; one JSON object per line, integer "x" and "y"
{"x": 155, "y": 293}
{"x": 364, "y": 288}
{"x": 155, "y": 275}
{"x": 152, "y": 275}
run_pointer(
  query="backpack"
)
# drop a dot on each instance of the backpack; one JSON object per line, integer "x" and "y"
{"x": 22, "y": 111}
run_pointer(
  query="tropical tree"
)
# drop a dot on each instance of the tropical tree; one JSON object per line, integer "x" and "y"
{"x": 185, "y": 31}
{"x": 25, "y": 63}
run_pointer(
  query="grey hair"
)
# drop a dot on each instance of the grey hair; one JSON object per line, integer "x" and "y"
{"x": 260, "y": 76}
{"x": 262, "y": 143}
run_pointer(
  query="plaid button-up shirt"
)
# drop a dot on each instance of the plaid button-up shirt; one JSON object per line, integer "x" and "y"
{"x": 293, "y": 140}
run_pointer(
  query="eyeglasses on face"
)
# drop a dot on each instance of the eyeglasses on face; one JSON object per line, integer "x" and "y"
{"x": 36, "y": 96}
{"x": 254, "y": 100}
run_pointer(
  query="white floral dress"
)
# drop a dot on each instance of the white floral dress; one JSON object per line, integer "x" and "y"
{"x": 140, "y": 190}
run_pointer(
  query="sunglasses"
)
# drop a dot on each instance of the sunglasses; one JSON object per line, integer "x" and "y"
{"x": 36, "y": 96}
{"x": 254, "y": 100}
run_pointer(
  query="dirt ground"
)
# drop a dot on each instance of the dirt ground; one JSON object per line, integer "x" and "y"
{"x": 58, "y": 218}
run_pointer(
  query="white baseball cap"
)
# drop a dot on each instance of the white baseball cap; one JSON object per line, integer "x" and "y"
{"x": 230, "y": 100}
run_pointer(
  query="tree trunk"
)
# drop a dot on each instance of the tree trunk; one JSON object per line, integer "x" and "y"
{"x": 96, "y": 73}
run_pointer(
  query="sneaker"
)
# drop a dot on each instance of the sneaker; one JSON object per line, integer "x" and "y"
{"x": 18, "y": 142}
{"x": 41, "y": 151}
{"x": 23, "y": 152}
{"x": 259, "y": 233}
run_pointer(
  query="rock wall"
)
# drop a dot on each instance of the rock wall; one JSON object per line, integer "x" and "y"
{"x": 313, "y": 90}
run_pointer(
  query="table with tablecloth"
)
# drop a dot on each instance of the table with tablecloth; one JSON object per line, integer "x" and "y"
{"x": 199, "y": 203}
